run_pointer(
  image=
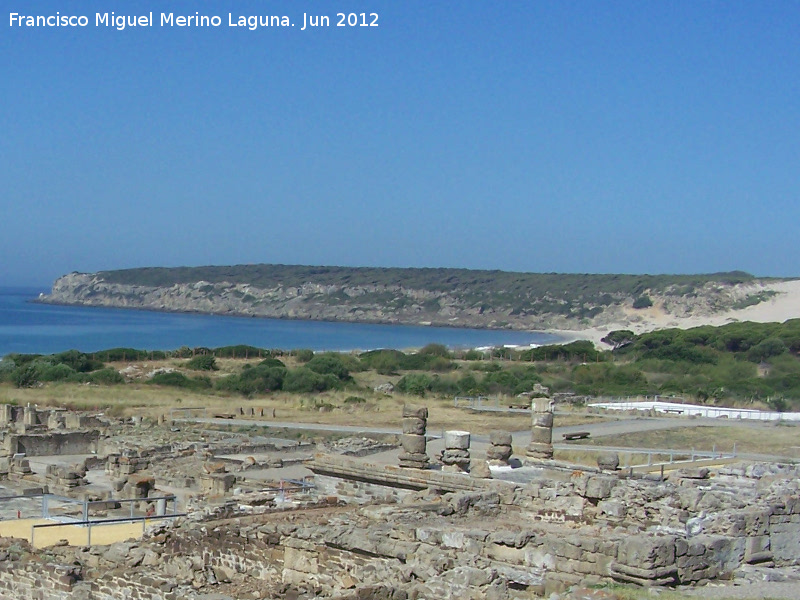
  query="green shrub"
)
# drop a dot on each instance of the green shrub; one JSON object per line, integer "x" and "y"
{"x": 263, "y": 378}
{"x": 77, "y": 361}
{"x": 203, "y": 362}
{"x": 175, "y": 379}
{"x": 25, "y": 377}
{"x": 415, "y": 383}
{"x": 329, "y": 363}
{"x": 354, "y": 400}
{"x": 126, "y": 354}
{"x": 643, "y": 301}
{"x": 473, "y": 355}
{"x": 766, "y": 349}
{"x": 239, "y": 351}
{"x": 59, "y": 372}
{"x": 487, "y": 366}
{"x": 469, "y": 386}
{"x": 443, "y": 385}
{"x": 7, "y": 369}
{"x": 106, "y": 376}
{"x": 435, "y": 350}
{"x": 304, "y": 380}
{"x": 303, "y": 355}
{"x": 272, "y": 362}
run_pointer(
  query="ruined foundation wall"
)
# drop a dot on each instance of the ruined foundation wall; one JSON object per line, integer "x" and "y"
{"x": 27, "y": 582}
{"x": 33, "y": 581}
{"x": 690, "y": 529}
{"x": 223, "y": 552}
{"x": 54, "y": 443}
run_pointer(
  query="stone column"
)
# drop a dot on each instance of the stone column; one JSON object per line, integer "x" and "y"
{"x": 415, "y": 422}
{"x": 6, "y": 414}
{"x": 500, "y": 450}
{"x": 55, "y": 420}
{"x": 456, "y": 450}
{"x": 29, "y": 416}
{"x": 541, "y": 446}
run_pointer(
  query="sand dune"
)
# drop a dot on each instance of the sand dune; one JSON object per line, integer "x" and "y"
{"x": 785, "y": 305}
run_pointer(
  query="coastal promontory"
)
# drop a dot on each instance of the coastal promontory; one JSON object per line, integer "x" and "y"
{"x": 421, "y": 296}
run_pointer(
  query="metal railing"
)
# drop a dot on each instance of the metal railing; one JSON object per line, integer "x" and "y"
{"x": 102, "y": 522}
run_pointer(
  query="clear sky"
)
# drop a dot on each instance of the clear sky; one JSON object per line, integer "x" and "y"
{"x": 632, "y": 137}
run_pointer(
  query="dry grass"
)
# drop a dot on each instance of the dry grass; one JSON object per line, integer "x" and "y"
{"x": 756, "y": 438}
{"x": 377, "y": 410}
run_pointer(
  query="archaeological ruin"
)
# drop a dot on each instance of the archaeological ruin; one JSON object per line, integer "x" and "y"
{"x": 101, "y": 508}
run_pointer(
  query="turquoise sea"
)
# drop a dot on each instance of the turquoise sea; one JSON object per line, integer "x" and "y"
{"x": 44, "y": 329}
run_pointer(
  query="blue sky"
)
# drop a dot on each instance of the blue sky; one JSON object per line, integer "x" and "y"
{"x": 635, "y": 137}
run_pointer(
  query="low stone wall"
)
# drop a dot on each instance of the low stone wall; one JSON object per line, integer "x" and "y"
{"x": 52, "y": 443}
{"x": 360, "y": 482}
{"x": 26, "y": 581}
{"x": 119, "y": 585}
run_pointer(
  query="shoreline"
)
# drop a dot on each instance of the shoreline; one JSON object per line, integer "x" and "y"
{"x": 783, "y": 306}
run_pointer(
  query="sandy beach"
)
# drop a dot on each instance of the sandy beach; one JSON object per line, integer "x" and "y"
{"x": 781, "y": 307}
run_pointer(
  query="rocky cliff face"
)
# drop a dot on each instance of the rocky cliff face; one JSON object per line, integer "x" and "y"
{"x": 381, "y": 303}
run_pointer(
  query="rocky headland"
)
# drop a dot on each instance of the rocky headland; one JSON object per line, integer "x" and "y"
{"x": 442, "y": 297}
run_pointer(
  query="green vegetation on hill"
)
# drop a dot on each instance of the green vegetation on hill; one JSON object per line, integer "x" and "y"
{"x": 441, "y": 280}
{"x": 576, "y": 296}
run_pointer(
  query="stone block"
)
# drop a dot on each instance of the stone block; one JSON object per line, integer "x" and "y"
{"x": 539, "y": 450}
{"x": 612, "y": 508}
{"x": 541, "y": 435}
{"x": 414, "y": 425}
{"x": 455, "y": 455}
{"x": 412, "y": 464}
{"x": 456, "y": 440}
{"x": 756, "y": 546}
{"x": 500, "y": 438}
{"x": 647, "y": 552}
{"x": 599, "y": 487}
{"x": 480, "y": 469}
{"x": 608, "y": 461}
{"x": 299, "y": 560}
{"x": 415, "y": 411}
{"x": 502, "y": 453}
{"x": 785, "y": 543}
{"x": 414, "y": 457}
{"x": 413, "y": 444}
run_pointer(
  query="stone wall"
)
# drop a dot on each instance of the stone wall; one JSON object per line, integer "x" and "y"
{"x": 588, "y": 526}
{"x": 33, "y": 581}
{"x": 53, "y": 443}
{"x": 360, "y": 482}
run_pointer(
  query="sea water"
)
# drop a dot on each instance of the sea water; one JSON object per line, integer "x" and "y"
{"x": 45, "y": 329}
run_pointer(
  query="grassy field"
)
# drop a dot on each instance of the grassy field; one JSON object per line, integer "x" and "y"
{"x": 378, "y": 410}
{"x": 755, "y": 438}
{"x": 358, "y": 404}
